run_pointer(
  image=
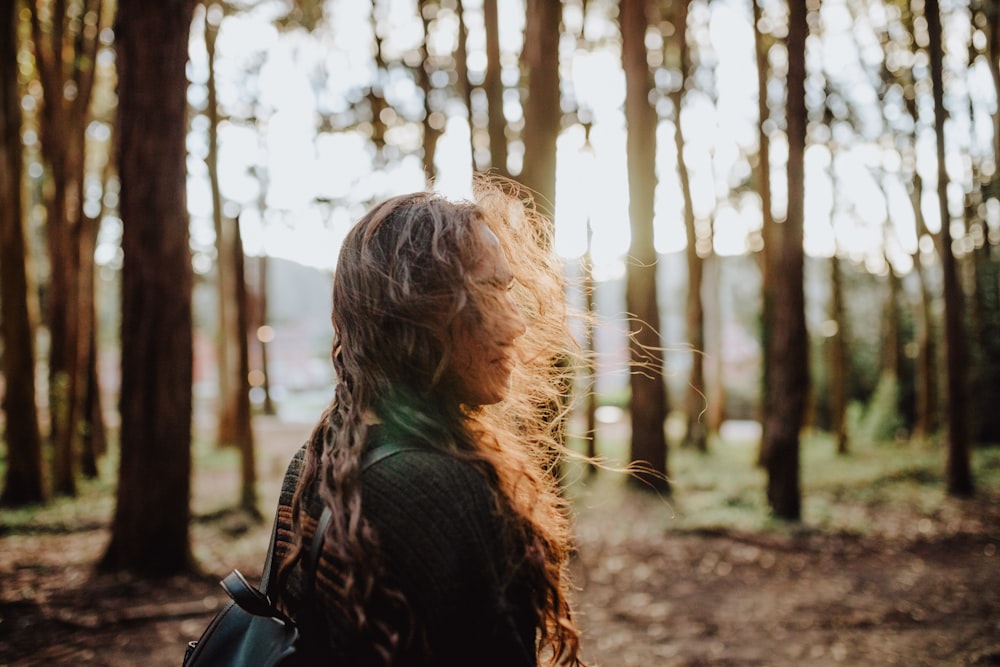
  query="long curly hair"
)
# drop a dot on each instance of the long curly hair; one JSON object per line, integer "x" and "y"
{"x": 401, "y": 281}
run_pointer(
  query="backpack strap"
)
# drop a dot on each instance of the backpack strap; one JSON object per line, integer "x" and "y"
{"x": 371, "y": 457}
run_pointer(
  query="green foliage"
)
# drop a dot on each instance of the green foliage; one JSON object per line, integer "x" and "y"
{"x": 880, "y": 420}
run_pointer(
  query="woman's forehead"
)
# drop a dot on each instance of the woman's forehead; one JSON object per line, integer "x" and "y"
{"x": 491, "y": 263}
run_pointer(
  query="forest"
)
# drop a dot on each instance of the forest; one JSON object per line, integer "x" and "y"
{"x": 780, "y": 223}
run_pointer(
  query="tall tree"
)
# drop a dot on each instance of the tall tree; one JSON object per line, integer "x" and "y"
{"x": 763, "y": 174}
{"x": 838, "y": 360}
{"x": 649, "y": 392}
{"x": 462, "y": 69}
{"x": 24, "y": 480}
{"x": 786, "y": 340}
{"x": 244, "y": 426}
{"x": 149, "y": 532}
{"x": 696, "y": 435}
{"x": 958, "y": 475}
{"x": 433, "y": 123}
{"x": 542, "y": 114}
{"x": 497, "y": 123}
{"x": 65, "y": 40}
{"x": 225, "y": 344}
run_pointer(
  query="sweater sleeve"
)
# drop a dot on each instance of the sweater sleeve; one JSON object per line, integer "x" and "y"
{"x": 442, "y": 544}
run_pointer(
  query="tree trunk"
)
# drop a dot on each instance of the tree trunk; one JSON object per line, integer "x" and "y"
{"x": 224, "y": 342}
{"x": 649, "y": 393}
{"x": 767, "y": 231}
{"x": 465, "y": 90}
{"x": 149, "y": 532}
{"x": 24, "y": 479}
{"x": 86, "y": 345}
{"x": 65, "y": 56}
{"x": 993, "y": 61}
{"x": 497, "y": 123}
{"x": 715, "y": 381}
{"x": 838, "y": 362}
{"x": 433, "y": 120}
{"x": 262, "y": 264}
{"x": 542, "y": 113}
{"x": 925, "y": 368}
{"x": 95, "y": 443}
{"x": 695, "y": 435}
{"x": 244, "y": 427}
{"x": 958, "y": 474}
{"x": 786, "y": 341}
{"x": 893, "y": 360}
{"x": 376, "y": 94}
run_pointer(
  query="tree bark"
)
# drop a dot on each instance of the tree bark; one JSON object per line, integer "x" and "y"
{"x": 224, "y": 343}
{"x": 696, "y": 435}
{"x": 433, "y": 120}
{"x": 649, "y": 393}
{"x": 244, "y": 427}
{"x": 24, "y": 480}
{"x": 838, "y": 361}
{"x": 958, "y": 474}
{"x": 497, "y": 123}
{"x": 786, "y": 341}
{"x": 65, "y": 55}
{"x": 262, "y": 270}
{"x": 542, "y": 113}
{"x": 925, "y": 367}
{"x": 767, "y": 232}
{"x": 149, "y": 531}
{"x": 464, "y": 87}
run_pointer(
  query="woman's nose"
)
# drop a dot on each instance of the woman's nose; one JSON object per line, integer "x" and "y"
{"x": 518, "y": 325}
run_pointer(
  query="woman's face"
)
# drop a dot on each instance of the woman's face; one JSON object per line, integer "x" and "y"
{"x": 484, "y": 333}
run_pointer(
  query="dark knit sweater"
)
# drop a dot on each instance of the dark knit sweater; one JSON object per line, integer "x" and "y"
{"x": 440, "y": 543}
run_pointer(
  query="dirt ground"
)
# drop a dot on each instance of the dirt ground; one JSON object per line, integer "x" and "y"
{"x": 926, "y": 593}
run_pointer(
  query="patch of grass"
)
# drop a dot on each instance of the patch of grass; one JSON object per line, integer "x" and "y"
{"x": 877, "y": 486}
{"x": 92, "y": 507}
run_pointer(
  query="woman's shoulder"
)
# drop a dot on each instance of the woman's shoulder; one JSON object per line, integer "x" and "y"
{"x": 428, "y": 487}
{"x": 426, "y": 467}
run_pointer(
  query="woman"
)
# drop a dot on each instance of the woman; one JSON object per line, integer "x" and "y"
{"x": 448, "y": 320}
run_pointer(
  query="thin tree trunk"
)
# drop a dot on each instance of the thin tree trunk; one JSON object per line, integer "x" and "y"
{"x": 224, "y": 342}
{"x": 244, "y": 427}
{"x": 24, "y": 481}
{"x": 462, "y": 71}
{"x": 925, "y": 368}
{"x": 993, "y": 61}
{"x": 838, "y": 359}
{"x": 433, "y": 121}
{"x": 86, "y": 344}
{"x": 262, "y": 269}
{"x": 767, "y": 231}
{"x": 695, "y": 435}
{"x": 497, "y": 123}
{"x": 376, "y": 94}
{"x": 149, "y": 531}
{"x": 542, "y": 112}
{"x": 649, "y": 392}
{"x": 958, "y": 474}
{"x": 787, "y": 343}
{"x": 716, "y": 378}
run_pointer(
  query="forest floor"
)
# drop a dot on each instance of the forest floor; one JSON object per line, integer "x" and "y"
{"x": 884, "y": 569}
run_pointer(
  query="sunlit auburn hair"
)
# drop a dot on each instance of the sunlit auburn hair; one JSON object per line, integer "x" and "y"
{"x": 401, "y": 281}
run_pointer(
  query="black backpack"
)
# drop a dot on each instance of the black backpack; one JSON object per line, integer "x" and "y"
{"x": 250, "y": 630}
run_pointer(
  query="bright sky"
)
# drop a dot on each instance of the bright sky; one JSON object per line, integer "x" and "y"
{"x": 591, "y": 180}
